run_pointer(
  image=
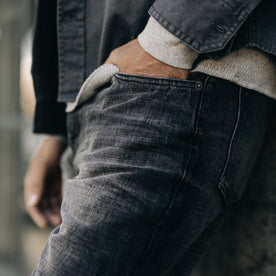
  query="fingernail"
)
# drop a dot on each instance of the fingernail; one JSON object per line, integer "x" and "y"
{"x": 33, "y": 200}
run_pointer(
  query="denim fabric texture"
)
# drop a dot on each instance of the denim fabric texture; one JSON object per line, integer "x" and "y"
{"x": 156, "y": 163}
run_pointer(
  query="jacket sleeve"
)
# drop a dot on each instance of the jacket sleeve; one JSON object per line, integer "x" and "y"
{"x": 50, "y": 116}
{"x": 204, "y": 25}
{"x": 166, "y": 47}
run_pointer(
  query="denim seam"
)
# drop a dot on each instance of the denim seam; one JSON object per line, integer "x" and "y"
{"x": 178, "y": 185}
{"x": 223, "y": 189}
{"x": 175, "y": 83}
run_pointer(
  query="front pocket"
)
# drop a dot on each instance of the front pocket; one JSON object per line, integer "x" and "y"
{"x": 128, "y": 81}
{"x": 96, "y": 79}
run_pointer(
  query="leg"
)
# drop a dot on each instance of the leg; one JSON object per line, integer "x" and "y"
{"x": 229, "y": 131}
{"x": 152, "y": 158}
{"x": 249, "y": 229}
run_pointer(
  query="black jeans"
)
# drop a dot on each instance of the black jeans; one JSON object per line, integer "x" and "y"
{"x": 156, "y": 163}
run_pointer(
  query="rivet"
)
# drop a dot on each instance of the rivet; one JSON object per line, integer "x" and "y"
{"x": 198, "y": 85}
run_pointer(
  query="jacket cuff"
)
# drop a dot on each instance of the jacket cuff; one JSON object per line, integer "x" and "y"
{"x": 206, "y": 26}
{"x": 50, "y": 118}
{"x": 166, "y": 47}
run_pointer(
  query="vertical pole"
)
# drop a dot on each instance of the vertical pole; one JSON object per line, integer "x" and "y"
{"x": 10, "y": 154}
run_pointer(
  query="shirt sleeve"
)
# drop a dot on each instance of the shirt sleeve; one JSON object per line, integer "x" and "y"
{"x": 204, "y": 25}
{"x": 50, "y": 116}
{"x": 166, "y": 47}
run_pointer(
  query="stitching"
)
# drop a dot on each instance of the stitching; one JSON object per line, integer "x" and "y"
{"x": 196, "y": 45}
{"x": 231, "y": 141}
{"x": 177, "y": 83}
{"x": 155, "y": 230}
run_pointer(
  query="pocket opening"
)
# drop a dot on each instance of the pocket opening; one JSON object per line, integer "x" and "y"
{"x": 158, "y": 81}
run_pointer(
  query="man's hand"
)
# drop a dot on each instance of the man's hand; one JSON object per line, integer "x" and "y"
{"x": 43, "y": 185}
{"x": 132, "y": 59}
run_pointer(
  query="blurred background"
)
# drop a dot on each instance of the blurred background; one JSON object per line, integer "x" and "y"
{"x": 20, "y": 240}
{"x": 246, "y": 244}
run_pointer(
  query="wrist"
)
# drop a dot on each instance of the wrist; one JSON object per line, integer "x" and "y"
{"x": 165, "y": 47}
{"x": 53, "y": 146}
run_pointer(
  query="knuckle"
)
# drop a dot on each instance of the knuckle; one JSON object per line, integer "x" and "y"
{"x": 28, "y": 209}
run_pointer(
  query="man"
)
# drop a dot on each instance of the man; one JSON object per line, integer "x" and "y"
{"x": 163, "y": 136}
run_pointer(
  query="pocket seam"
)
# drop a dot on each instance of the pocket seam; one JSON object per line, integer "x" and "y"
{"x": 159, "y": 81}
{"x": 225, "y": 191}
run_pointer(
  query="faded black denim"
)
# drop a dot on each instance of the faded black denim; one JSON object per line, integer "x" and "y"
{"x": 156, "y": 163}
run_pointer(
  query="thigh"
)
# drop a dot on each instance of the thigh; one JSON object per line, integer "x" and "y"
{"x": 228, "y": 132}
{"x": 152, "y": 165}
{"x": 129, "y": 143}
{"x": 130, "y": 154}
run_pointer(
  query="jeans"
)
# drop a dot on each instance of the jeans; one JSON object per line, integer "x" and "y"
{"x": 156, "y": 163}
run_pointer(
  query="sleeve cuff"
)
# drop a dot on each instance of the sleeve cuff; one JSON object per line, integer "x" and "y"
{"x": 60, "y": 137}
{"x": 166, "y": 47}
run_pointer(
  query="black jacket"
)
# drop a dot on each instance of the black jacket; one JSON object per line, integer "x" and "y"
{"x": 73, "y": 37}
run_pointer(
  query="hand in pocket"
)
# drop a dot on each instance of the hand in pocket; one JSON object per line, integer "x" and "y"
{"x": 132, "y": 59}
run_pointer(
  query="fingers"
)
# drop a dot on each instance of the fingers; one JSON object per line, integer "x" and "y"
{"x": 52, "y": 211}
{"x": 111, "y": 60}
{"x": 43, "y": 182}
{"x": 43, "y": 212}
{"x": 53, "y": 216}
{"x": 33, "y": 191}
{"x": 43, "y": 206}
{"x": 132, "y": 59}
{"x": 33, "y": 208}
{"x": 43, "y": 199}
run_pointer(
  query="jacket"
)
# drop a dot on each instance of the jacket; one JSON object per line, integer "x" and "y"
{"x": 72, "y": 38}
